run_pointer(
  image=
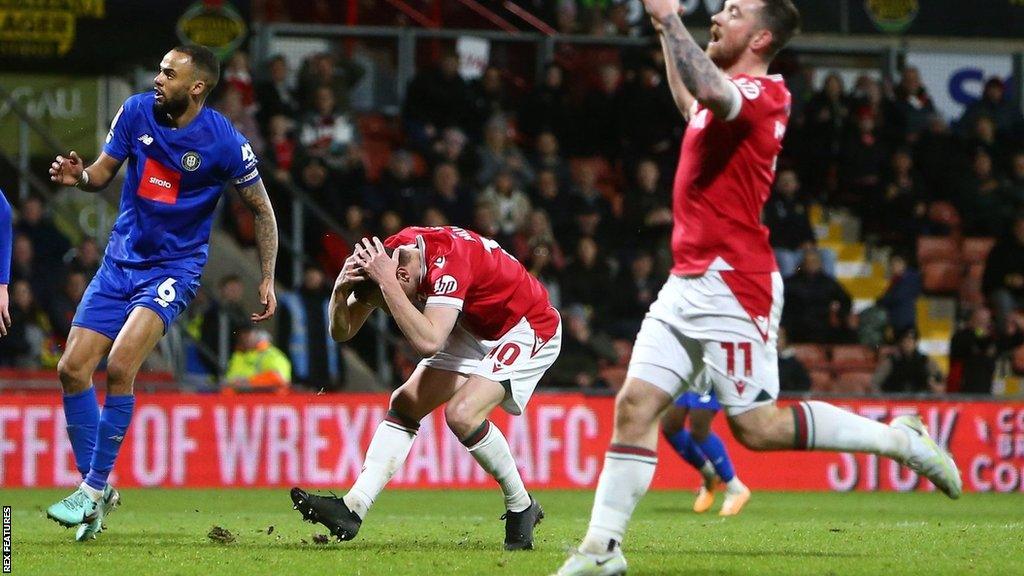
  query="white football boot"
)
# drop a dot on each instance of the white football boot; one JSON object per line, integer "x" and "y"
{"x": 926, "y": 457}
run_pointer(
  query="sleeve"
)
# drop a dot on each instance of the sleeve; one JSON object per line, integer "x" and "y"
{"x": 6, "y": 239}
{"x": 119, "y": 138}
{"x": 752, "y": 100}
{"x": 241, "y": 162}
{"x": 448, "y": 283}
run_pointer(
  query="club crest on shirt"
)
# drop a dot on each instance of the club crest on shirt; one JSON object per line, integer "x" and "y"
{"x": 191, "y": 161}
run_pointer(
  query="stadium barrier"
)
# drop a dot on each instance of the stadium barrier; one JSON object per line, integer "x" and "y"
{"x": 179, "y": 440}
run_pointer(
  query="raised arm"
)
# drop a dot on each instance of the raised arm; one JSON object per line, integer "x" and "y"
{"x": 681, "y": 96}
{"x": 70, "y": 170}
{"x": 255, "y": 197}
{"x": 683, "y": 56}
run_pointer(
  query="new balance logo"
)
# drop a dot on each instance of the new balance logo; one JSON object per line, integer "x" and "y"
{"x": 119, "y": 438}
{"x": 146, "y": 139}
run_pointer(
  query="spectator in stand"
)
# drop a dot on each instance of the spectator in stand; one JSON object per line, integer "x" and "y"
{"x": 793, "y": 376}
{"x": 1015, "y": 185}
{"x": 485, "y": 223}
{"x": 226, "y": 316}
{"x": 304, "y": 331}
{"x": 390, "y": 223}
{"x": 49, "y": 244}
{"x": 634, "y": 291}
{"x": 647, "y": 210}
{"x": 242, "y": 117}
{"x": 282, "y": 148}
{"x": 868, "y": 96}
{"x": 433, "y": 217}
{"x": 324, "y": 70}
{"x": 648, "y": 102}
{"x": 547, "y": 108}
{"x": 585, "y": 280}
{"x": 900, "y": 298}
{"x": 355, "y": 226}
{"x": 933, "y": 159}
{"x": 788, "y": 223}
{"x": 567, "y": 17}
{"x": 540, "y": 263}
{"x": 547, "y": 157}
{"x": 257, "y": 365}
{"x": 400, "y": 189}
{"x": 551, "y": 198}
{"x": 538, "y": 232}
{"x": 1003, "y": 282}
{"x": 448, "y": 195}
{"x": 906, "y": 370}
{"x": 983, "y": 137}
{"x": 864, "y": 157}
{"x": 498, "y": 153}
{"x": 275, "y": 95}
{"x": 24, "y": 267}
{"x": 599, "y": 127}
{"x": 903, "y": 207}
{"x": 452, "y": 147}
{"x": 826, "y": 121}
{"x": 87, "y": 258}
{"x": 973, "y": 353}
{"x": 238, "y": 76}
{"x": 584, "y": 351}
{"x": 487, "y": 98}
{"x": 586, "y": 195}
{"x": 30, "y": 330}
{"x": 436, "y": 98}
{"x": 326, "y": 133}
{"x": 983, "y": 202}
{"x": 511, "y": 205}
{"x": 817, "y": 307}
{"x": 995, "y": 105}
{"x": 62, "y": 308}
{"x": 913, "y": 105}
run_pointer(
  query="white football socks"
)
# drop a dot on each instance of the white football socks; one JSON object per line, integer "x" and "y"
{"x": 627, "y": 473}
{"x": 490, "y": 449}
{"x": 387, "y": 452}
{"x": 822, "y": 426}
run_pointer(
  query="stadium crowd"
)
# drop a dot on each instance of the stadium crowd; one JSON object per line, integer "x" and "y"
{"x": 573, "y": 177}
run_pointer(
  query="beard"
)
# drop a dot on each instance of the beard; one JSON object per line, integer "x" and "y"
{"x": 171, "y": 108}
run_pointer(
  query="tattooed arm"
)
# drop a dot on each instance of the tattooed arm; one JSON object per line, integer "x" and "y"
{"x": 681, "y": 96}
{"x": 255, "y": 197}
{"x": 698, "y": 74}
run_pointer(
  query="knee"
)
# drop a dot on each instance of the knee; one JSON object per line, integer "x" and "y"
{"x": 699, "y": 433}
{"x": 461, "y": 417}
{"x": 120, "y": 375}
{"x": 405, "y": 404}
{"x": 73, "y": 377}
{"x": 631, "y": 412}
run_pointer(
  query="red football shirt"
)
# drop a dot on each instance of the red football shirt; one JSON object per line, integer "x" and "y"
{"x": 726, "y": 168}
{"x": 464, "y": 270}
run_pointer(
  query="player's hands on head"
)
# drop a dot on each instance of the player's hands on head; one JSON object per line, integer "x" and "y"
{"x": 67, "y": 170}
{"x": 660, "y": 9}
{"x": 5, "y": 312}
{"x": 269, "y": 300}
{"x": 375, "y": 262}
{"x": 351, "y": 273}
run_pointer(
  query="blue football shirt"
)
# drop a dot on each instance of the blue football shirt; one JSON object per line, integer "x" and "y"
{"x": 173, "y": 182}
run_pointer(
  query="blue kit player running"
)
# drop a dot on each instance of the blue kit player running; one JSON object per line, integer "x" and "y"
{"x": 180, "y": 156}
{"x": 704, "y": 450}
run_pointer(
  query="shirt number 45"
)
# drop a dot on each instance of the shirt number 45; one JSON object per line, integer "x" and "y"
{"x": 165, "y": 293}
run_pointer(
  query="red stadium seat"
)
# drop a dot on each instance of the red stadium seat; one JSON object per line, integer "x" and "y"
{"x": 975, "y": 250}
{"x": 812, "y": 356}
{"x": 944, "y": 213}
{"x": 936, "y": 249}
{"x": 853, "y": 357}
{"x": 853, "y": 382}
{"x": 821, "y": 381}
{"x": 942, "y": 277}
{"x": 1018, "y": 360}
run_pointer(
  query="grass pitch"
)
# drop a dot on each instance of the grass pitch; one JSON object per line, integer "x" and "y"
{"x": 453, "y": 532}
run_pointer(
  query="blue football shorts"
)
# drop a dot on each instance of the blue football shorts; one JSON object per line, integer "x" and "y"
{"x": 116, "y": 290}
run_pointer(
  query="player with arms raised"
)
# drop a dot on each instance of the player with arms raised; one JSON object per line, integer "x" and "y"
{"x": 721, "y": 307}
{"x": 487, "y": 332}
{"x": 180, "y": 155}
